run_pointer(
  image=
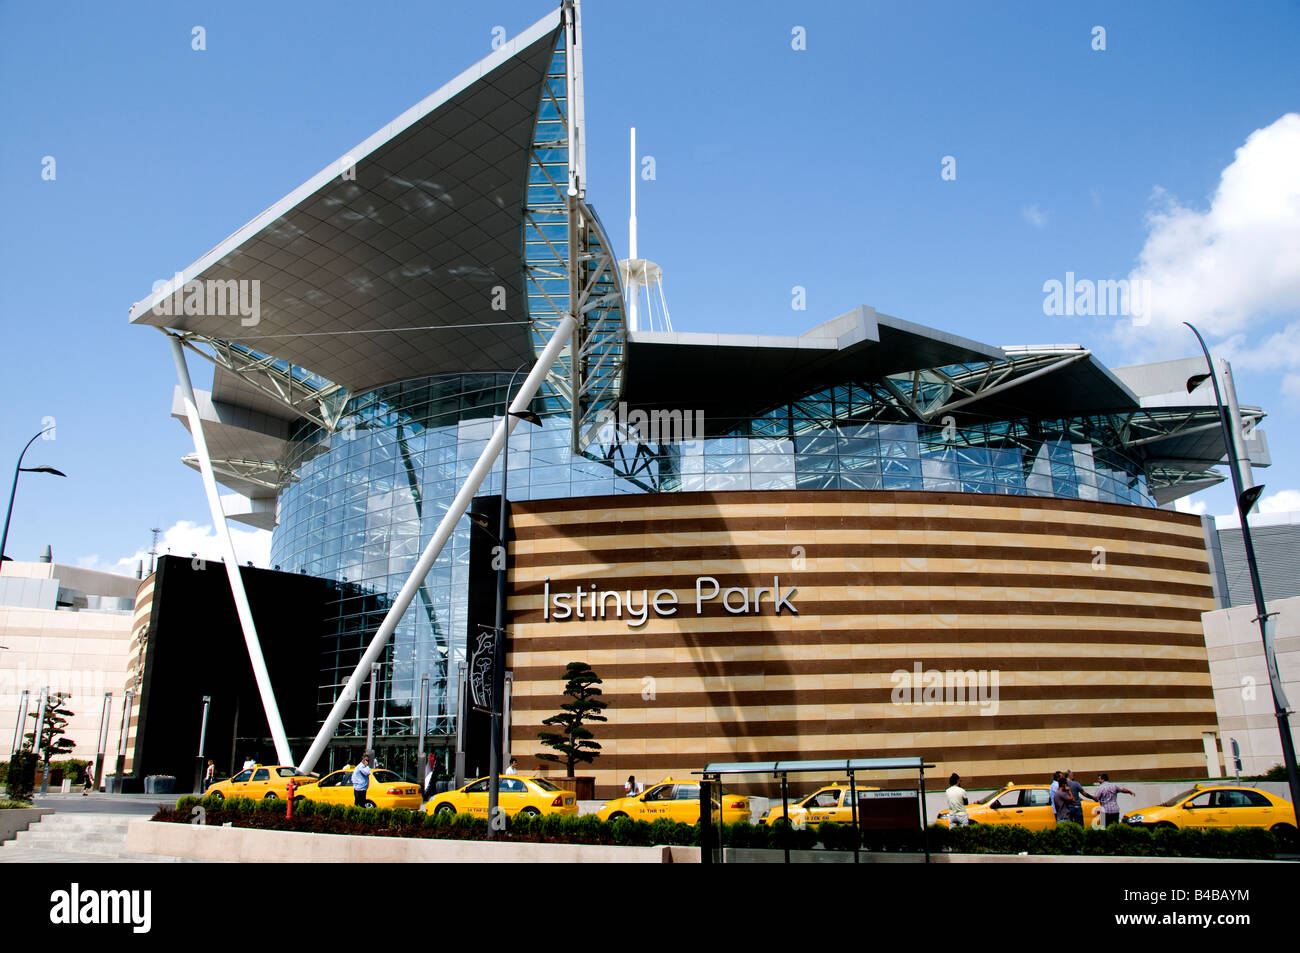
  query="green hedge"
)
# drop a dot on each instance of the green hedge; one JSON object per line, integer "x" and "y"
{"x": 1119, "y": 840}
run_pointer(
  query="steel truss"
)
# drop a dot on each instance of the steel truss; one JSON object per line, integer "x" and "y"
{"x": 270, "y": 474}
{"x": 305, "y": 394}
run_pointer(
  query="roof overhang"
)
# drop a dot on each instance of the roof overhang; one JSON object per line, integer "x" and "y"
{"x": 385, "y": 265}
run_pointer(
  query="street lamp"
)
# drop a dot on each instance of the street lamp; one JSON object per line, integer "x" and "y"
{"x": 1245, "y": 501}
{"x": 499, "y": 634}
{"x": 13, "y": 491}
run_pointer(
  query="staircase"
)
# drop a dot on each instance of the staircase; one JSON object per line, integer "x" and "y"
{"x": 83, "y": 837}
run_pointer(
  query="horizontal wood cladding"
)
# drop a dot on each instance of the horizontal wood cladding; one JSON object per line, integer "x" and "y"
{"x": 809, "y": 697}
{"x": 918, "y": 498}
{"x": 975, "y": 552}
{"x": 885, "y": 581}
{"x": 743, "y": 638}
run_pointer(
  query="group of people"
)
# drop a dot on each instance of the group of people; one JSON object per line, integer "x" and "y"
{"x": 1066, "y": 793}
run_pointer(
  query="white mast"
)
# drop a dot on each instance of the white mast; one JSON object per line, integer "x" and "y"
{"x": 640, "y": 273}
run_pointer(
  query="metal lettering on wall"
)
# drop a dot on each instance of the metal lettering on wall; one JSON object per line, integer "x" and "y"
{"x": 595, "y": 603}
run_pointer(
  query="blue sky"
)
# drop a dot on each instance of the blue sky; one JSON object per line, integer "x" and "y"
{"x": 775, "y": 168}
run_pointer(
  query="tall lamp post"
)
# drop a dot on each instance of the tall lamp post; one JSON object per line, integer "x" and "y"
{"x": 1245, "y": 502}
{"x": 499, "y": 634}
{"x": 13, "y": 491}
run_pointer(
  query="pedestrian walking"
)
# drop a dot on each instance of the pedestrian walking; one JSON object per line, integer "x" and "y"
{"x": 89, "y": 785}
{"x": 361, "y": 781}
{"x": 513, "y": 767}
{"x": 430, "y": 777}
{"x": 1108, "y": 796}
{"x": 209, "y": 775}
{"x": 956, "y": 794}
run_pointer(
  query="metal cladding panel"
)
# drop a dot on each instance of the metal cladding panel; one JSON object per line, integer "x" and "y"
{"x": 377, "y": 277}
{"x": 1277, "y": 553}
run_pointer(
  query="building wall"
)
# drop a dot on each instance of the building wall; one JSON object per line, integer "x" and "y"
{"x": 1087, "y": 615}
{"x": 1241, "y": 688}
{"x": 83, "y": 653}
{"x": 1276, "y": 538}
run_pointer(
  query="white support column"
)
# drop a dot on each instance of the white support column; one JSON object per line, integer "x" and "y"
{"x": 559, "y": 340}
{"x": 219, "y": 526}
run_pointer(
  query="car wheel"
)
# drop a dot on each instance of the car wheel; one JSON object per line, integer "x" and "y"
{"x": 618, "y": 816}
{"x": 218, "y": 795}
{"x": 1285, "y": 834}
{"x": 1166, "y": 826}
{"x": 531, "y": 812}
{"x": 444, "y": 809}
{"x": 271, "y": 796}
{"x": 369, "y": 804}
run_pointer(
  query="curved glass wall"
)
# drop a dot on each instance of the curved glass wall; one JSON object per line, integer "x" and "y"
{"x": 367, "y": 498}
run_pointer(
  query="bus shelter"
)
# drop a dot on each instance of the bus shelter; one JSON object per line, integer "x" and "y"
{"x": 713, "y": 773}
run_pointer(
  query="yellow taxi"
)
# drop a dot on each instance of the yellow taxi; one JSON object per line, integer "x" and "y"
{"x": 518, "y": 795}
{"x": 387, "y": 789}
{"x": 261, "y": 782}
{"x": 1027, "y": 805}
{"x": 1220, "y": 806}
{"x": 831, "y": 803}
{"x": 675, "y": 799}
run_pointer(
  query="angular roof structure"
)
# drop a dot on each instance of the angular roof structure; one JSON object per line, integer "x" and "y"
{"x": 449, "y": 241}
{"x": 382, "y": 267}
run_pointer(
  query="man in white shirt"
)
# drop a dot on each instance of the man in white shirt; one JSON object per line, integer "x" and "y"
{"x": 956, "y": 803}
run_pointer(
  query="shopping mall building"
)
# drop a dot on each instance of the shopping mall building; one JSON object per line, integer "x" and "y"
{"x": 867, "y": 538}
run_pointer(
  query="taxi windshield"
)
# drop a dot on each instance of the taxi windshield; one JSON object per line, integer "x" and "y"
{"x": 989, "y": 797}
{"x": 1178, "y": 797}
{"x": 544, "y": 784}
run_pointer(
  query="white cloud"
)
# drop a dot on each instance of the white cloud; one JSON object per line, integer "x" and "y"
{"x": 1273, "y": 508}
{"x": 1233, "y": 270}
{"x": 1283, "y": 501}
{"x": 1185, "y": 505}
{"x": 1034, "y": 215}
{"x": 186, "y": 537}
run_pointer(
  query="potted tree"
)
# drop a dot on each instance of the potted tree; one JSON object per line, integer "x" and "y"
{"x": 574, "y": 743}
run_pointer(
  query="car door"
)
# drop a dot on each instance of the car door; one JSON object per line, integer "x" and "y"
{"x": 1242, "y": 808}
{"x": 685, "y": 805}
{"x": 821, "y": 807}
{"x": 476, "y": 798}
{"x": 258, "y": 784}
{"x": 1006, "y": 808}
{"x": 1035, "y": 810}
{"x": 513, "y": 796}
{"x": 654, "y": 803}
{"x": 1201, "y": 811}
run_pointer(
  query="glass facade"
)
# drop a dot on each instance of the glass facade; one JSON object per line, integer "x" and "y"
{"x": 366, "y": 498}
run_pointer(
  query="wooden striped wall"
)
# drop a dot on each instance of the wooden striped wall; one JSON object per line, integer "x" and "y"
{"x": 1089, "y": 614}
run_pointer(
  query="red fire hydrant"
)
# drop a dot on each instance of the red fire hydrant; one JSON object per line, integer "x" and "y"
{"x": 288, "y": 807}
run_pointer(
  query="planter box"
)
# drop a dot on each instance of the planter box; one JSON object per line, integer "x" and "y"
{"x": 248, "y": 845}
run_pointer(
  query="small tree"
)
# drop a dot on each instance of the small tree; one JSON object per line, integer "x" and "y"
{"x": 575, "y": 744}
{"x": 53, "y": 727}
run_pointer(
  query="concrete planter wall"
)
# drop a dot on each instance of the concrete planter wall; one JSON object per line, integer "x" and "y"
{"x": 246, "y": 845}
{"x": 13, "y": 820}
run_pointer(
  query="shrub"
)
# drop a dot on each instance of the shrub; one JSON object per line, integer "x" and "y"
{"x": 21, "y": 779}
{"x": 1062, "y": 839}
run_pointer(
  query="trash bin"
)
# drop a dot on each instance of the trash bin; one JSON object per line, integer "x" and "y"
{"x": 66, "y": 786}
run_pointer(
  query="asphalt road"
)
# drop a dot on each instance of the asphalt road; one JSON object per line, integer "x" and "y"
{"x": 146, "y": 805}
